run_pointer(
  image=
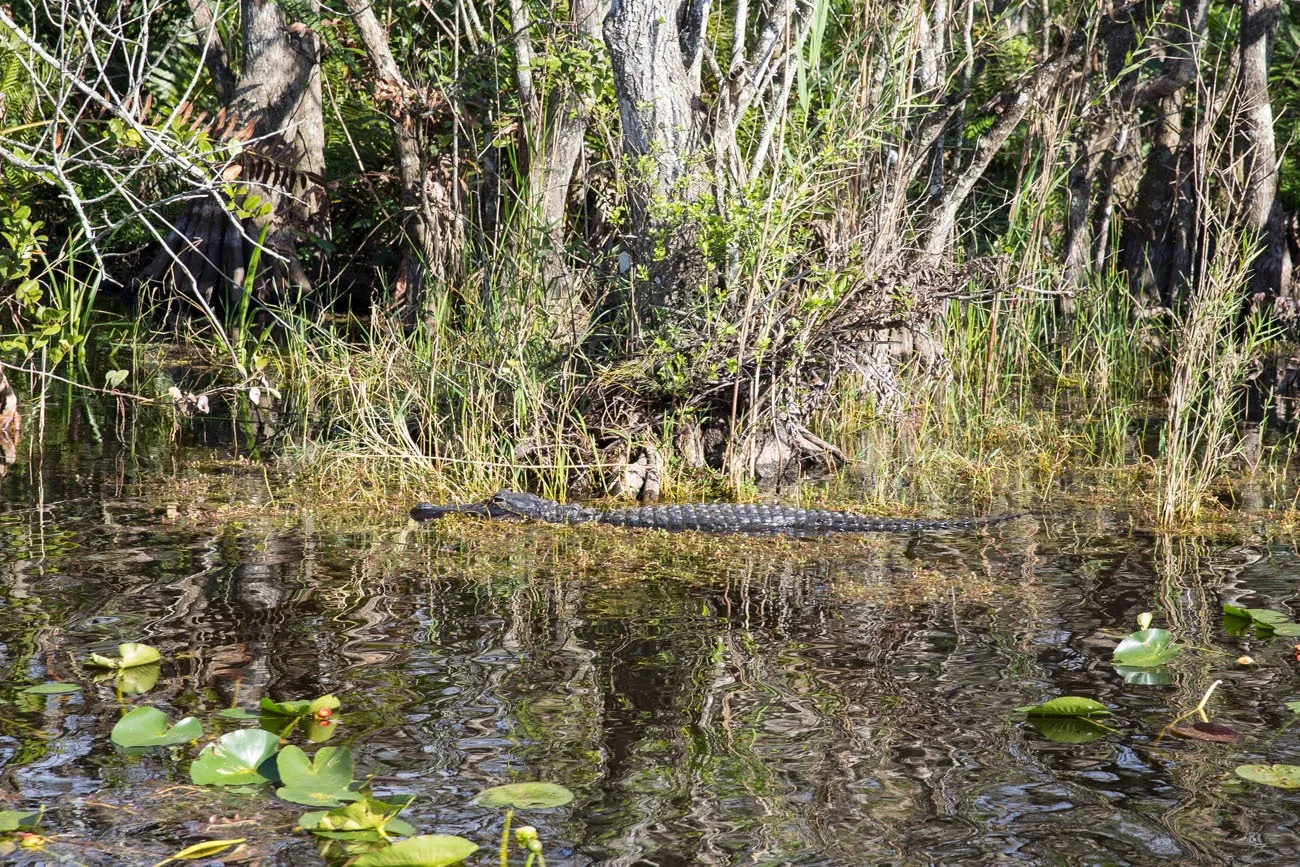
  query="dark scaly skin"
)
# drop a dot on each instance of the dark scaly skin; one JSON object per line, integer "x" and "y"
{"x": 705, "y": 517}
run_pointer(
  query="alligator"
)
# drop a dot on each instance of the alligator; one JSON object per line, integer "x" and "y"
{"x": 706, "y": 517}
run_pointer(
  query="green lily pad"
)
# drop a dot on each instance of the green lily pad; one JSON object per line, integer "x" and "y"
{"x": 52, "y": 688}
{"x": 1293, "y": 706}
{"x": 1268, "y": 615}
{"x": 1147, "y": 648}
{"x": 524, "y": 796}
{"x": 1068, "y": 729}
{"x": 302, "y": 707}
{"x": 147, "y": 727}
{"x": 392, "y": 828}
{"x": 322, "y": 782}
{"x": 1266, "y": 621}
{"x": 317, "y": 731}
{"x": 15, "y": 820}
{"x": 357, "y": 820}
{"x": 1067, "y": 706}
{"x": 235, "y": 759}
{"x": 1237, "y": 625}
{"x": 139, "y": 679}
{"x": 1278, "y": 776}
{"x": 237, "y": 713}
{"x": 429, "y": 850}
{"x": 131, "y": 655}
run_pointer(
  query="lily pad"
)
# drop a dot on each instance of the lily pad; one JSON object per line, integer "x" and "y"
{"x": 322, "y": 782}
{"x": 1067, "y": 706}
{"x": 1268, "y": 615}
{"x": 429, "y": 850}
{"x": 130, "y": 655}
{"x": 317, "y": 731}
{"x": 235, "y": 759}
{"x": 1147, "y": 648}
{"x": 366, "y": 819}
{"x": 14, "y": 820}
{"x": 147, "y": 727}
{"x": 1278, "y": 776}
{"x": 52, "y": 688}
{"x": 139, "y": 679}
{"x": 298, "y": 708}
{"x": 525, "y": 796}
{"x": 237, "y": 713}
{"x": 1266, "y": 621}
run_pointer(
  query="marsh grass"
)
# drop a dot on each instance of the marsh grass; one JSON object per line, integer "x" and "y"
{"x": 1217, "y": 349}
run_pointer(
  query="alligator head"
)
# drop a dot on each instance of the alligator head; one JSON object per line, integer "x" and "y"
{"x": 509, "y": 505}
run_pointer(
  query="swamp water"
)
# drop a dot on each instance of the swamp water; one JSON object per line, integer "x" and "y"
{"x": 708, "y": 700}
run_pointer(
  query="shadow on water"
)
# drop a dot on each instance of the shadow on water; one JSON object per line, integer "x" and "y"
{"x": 709, "y": 700}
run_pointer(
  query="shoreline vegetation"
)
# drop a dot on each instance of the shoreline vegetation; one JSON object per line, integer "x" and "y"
{"x": 975, "y": 255}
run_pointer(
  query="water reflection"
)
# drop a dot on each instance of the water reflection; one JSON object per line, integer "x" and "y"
{"x": 710, "y": 700}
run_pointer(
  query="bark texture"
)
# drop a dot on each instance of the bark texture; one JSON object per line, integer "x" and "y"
{"x": 564, "y": 128}
{"x": 427, "y": 229}
{"x": 655, "y": 48}
{"x": 1157, "y": 249}
{"x": 1261, "y": 210}
{"x": 276, "y": 111}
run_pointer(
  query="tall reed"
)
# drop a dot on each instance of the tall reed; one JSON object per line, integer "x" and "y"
{"x": 1214, "y": 354}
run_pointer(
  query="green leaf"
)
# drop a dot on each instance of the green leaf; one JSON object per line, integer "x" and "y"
{"x": 1287, "y": 630}
{"x": 132, "y": 654}
{"x": 323, "y": 782}
{"x": 1293, "y": 706}
{"x": 147, "y": 727}
{"x": 138, "y": 679}
{"x": 52, "y": 688}
{"x": 206, "y": 849}
{"x": 234, "y": 759}
{"x": 299, "y": 708}
{"x": 367, "y": 814}
{"x": 237, "y": 713}
{"x": 314, "y": 797}
{"x": 1267, "y": 615}
{"x": 1236, "y": 620}
{"x": 114, "y": 378}
{"x": 1278, "y": 776}
{"x": 429, "y": 850}
{"x": 523, "y": 796}
{"x": 318, "y": 731}
{"x": 1147, "y": 648}
{"x": 13, "y": 820}
{"x": 1067, "y": 706}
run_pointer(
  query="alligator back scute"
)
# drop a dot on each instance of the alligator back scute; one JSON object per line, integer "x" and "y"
{"x": 707, "y": 517}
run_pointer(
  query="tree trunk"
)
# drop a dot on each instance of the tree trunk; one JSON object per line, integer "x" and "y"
{"x": 422, "y": 243}
{"x": 1261, "y": 210}
{"x": 1159, "y": 242}
{"x": 280, "y": 173}
{"x": 564, "y": 130}
{"x": 656, "y": 47}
